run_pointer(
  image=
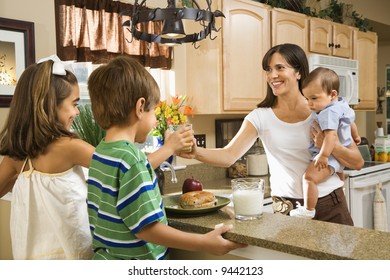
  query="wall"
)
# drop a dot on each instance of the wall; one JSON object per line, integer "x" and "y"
{"x": 45, "y": 40}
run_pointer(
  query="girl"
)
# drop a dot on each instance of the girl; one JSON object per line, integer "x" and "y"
{"x": 48, "y": 210}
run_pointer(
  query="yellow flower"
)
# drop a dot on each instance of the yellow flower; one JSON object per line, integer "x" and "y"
{"x": 174, "y": 113}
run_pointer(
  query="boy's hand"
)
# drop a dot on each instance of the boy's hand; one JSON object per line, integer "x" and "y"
{"x": 218, "y": 245}
{"x": 180, "y": 139}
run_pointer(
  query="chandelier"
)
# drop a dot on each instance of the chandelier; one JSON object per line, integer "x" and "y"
{"x": 173, "y": 30}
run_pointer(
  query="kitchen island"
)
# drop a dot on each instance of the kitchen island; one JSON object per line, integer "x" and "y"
{"x": 275, "y": 236}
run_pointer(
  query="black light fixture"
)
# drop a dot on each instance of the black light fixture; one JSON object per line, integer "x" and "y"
{"x": 173, "y": 30}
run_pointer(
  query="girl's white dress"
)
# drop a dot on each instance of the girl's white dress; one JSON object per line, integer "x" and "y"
{"x": 49, "y": 218}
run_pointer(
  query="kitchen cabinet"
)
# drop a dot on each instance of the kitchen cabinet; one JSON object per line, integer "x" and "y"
{"x": 330, "y": 38}
{"x": 202, "y": 75}
{"x": 289, "y": 27}
{"x": 366, "y": 52}
{"x": 246, "y": 38}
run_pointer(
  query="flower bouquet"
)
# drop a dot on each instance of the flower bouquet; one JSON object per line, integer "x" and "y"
{"x": 173, "y": 113}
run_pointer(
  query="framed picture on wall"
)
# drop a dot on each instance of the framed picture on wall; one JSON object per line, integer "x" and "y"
{"x": 17, "y": 51}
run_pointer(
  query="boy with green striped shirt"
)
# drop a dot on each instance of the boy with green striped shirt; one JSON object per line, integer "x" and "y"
{"x": 126, "y": 211}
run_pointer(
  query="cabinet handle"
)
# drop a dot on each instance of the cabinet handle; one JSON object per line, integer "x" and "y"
{"x": 330, "y": 45}
{"x": 337, "y": 46}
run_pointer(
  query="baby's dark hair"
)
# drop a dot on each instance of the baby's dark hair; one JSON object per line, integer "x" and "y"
{"x": 328, "y": 78}
{"x": 32, "y": 122}
{"x": 115, "y": 88}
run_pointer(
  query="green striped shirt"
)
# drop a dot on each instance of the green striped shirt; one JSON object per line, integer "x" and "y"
{"x": 123, "y": 197}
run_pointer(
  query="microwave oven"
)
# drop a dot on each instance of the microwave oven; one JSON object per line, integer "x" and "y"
{"x": 346, "y": 69}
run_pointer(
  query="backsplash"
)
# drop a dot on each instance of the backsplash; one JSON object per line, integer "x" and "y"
{"x": 201, "y": 172}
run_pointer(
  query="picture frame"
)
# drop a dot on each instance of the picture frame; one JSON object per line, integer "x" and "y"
{"x": 17, "y": 38}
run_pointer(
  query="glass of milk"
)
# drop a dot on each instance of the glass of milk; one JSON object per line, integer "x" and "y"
{"x": 248, "y": 196}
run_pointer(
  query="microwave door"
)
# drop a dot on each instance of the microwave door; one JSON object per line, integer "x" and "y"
{"x": 347, "y": 87}
{"x": 344, "y": 84}
{"x": 351, "y": 77}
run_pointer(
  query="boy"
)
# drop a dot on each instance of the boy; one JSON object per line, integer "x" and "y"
{"x": 336, "y": 120}
{"x": 126, "y": 211}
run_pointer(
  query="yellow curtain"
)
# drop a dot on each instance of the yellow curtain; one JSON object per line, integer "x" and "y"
{"x": 92, "y": 30}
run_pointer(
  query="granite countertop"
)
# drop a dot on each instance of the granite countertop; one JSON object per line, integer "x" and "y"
{"x": 296, "y": 236}
{"x": 300, "y": 237}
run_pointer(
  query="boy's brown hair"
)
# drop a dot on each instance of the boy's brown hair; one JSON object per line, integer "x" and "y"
{"x": 328, "y": 78}
{"x": 114, "y": 89}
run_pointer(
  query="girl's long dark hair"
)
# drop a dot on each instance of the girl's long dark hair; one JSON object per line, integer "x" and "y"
{"x": 295, "y": 57}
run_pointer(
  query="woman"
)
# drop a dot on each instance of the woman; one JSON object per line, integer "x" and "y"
{"x": 282, "y": 121}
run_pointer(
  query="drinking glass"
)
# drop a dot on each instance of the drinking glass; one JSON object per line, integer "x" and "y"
{"x": 173, "y": 128}
{"x": 248, "y": 198}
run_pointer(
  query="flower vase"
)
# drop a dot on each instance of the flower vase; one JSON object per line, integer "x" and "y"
{"x": 160, "y": 143}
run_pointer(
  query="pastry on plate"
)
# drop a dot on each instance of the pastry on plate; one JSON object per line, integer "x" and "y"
{"x": 197, "y": 199}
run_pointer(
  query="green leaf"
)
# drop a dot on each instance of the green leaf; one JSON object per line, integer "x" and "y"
{"x": 86, "y": 128}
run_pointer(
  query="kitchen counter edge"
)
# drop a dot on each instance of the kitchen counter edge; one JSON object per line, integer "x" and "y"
{"x": 300, "y": 237}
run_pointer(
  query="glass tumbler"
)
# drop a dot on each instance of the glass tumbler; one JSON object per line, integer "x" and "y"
{"x": 248, "y": 198}
{"x": 173, "y": 128}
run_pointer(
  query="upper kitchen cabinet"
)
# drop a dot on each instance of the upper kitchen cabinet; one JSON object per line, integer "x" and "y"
{"x": 246, "y": 38}
{"x": 330, "y": 38}
{"x": 289, "y": 27}
{"x": 202, "y": 75}
{"x": 366, "y": 52}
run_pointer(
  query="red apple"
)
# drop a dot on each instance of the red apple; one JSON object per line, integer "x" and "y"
{"x": 190, "y": 185}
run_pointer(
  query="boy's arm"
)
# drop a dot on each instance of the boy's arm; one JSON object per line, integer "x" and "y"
{"x": 212, "y": 242}
{"x": 173, "y": 144}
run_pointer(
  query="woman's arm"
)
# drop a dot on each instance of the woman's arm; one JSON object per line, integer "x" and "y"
{"x": 347, "y": 156}
{"x": 226, "y": 156}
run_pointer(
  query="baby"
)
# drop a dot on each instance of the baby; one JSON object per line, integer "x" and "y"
{"x": 336, "y": 120}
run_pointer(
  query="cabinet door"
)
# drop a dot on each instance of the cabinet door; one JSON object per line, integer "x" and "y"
{"x": 366, "y": 52}
{"x": 343, "y": 40}
{"x": 320, "y": 37}
{"x": 330, "y": 38}
{"x": 289, "y": 27}
{"x": 246, "y": 39}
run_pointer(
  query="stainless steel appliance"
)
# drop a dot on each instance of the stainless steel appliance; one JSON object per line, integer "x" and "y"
{"x": 360, "y": 189}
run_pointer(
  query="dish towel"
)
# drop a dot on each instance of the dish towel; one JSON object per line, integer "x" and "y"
{"x": 380, "y": 211}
